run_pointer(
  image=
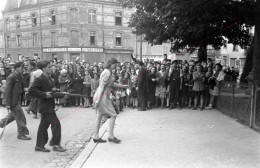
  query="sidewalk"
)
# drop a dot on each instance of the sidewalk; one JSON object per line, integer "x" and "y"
{"x": 174, "y": 139}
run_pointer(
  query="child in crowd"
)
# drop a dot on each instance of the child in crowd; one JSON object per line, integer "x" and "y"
{"x": 2, "y": 91}
{"x": 87, "y": 89}
{"x": 133, "y": 94}
{"x": 94, "y": 84}
{"x": 64, "y": 81}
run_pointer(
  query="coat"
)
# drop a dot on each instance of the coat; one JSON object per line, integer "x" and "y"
{"x": 38, "y": 89}
{"x": 14, "y": 89}
{"x": 142, "y": 84}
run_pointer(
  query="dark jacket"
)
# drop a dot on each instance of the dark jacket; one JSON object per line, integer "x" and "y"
{"x": 14, "y": 89}
{"x": 142, "y": 80}
{"x": 38, "y": 89}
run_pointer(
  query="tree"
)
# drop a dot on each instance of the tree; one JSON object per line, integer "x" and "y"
{"x": 193, "y": 24}
{"x": 257, "y": 45}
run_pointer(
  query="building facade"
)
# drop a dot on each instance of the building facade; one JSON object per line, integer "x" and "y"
{"x": 2, "y": 40}
{"x": 93, "y": 30}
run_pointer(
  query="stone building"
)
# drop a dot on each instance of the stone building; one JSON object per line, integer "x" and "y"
{"x": 2, "y": 41}
{"x": 93, "y": 30}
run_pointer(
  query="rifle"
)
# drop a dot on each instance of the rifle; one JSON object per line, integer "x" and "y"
{"x": 58, "y": 94}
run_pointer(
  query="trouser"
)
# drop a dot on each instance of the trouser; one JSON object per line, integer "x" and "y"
{"x": 33, "y": 106}
{"x": 142, "y": 99}
{"x": 16, "y": 114}
{"x": 175, "y": 92}
{"x": 42, "y": 134}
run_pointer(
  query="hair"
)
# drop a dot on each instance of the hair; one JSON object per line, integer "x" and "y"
{"x": 32, "y": 63}
{"x": 42, "y": 64}
{"x": 220, "y": 66}
{"x": 18, "y": 64}
{"x": 110, "y": 62}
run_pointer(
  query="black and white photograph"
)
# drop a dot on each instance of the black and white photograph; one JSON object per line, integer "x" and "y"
{"x": 130, "y": 83}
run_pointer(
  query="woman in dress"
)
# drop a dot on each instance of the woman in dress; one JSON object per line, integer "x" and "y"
{"x": 103, "y": 103}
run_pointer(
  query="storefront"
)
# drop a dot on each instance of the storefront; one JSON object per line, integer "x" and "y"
{"x": 71, "y": 54}
{"x": 121, "y": 55}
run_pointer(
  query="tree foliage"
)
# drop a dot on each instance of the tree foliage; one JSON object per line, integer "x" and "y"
{"x": 193, "y": 23}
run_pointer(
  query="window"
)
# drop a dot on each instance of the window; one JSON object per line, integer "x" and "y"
{"x": 118, "y": 18}
{"x": 74, "y": 37}
{"x": 17, "y": 21}
{"x": 7, "y": 41}
{"x": 92, "y": 16}
{"x": 53, "y": 17}
{"x": 18, "y": 40}
{"x": 92, "y": 38}
{"x": 118, "y": 39}
{"x": 35, "y": 39}
{"x": 53, "y": 38}
{"x": 34, "y": 20}
{"x": 7, "y": 23}
{"x": 74, "y": 18}
{"x": 165, "y": 50}
{"x": 235, "y": 48}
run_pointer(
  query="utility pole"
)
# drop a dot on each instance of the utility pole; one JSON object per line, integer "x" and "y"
{"x": 40, "y": 18}
{"x": 141, "y": 48}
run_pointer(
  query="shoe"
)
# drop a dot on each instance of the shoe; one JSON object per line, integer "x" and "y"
{"x": 194, "y": 108}
{"x": 99, "y": 140}
{"x": 41, "y": 149}
{"x": 201, "y": 108}
{"x": 24, "y": 137}
{"x": 141, "y": 109}
{"x": 209, "y": 107}
{"x": 171, "y": 107}
{"x": 115, "y": 140}
{"x": 59, "y": 149}
{"x": 179, "y": 107}
{"x": 189, "y": 107}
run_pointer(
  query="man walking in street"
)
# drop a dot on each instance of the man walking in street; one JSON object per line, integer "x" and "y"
{"x": 13, "y": 92}
{"x": 41, "y": 89}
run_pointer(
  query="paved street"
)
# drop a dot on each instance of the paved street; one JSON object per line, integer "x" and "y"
{"x": 77, "y": 128}
{"x": 175, "y": 139}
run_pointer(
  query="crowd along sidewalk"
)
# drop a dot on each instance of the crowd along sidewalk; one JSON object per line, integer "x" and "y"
{"x": 174, "y": 138}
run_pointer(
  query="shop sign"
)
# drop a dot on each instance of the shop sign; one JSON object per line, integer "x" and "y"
{"x": 74, "y": 49}
{"x": 54, "y": 49}
{"x": 118, "y": 52}
{"x": 92, "y": 50}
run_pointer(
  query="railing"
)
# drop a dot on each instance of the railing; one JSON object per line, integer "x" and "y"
{"x": 235, "y": 100}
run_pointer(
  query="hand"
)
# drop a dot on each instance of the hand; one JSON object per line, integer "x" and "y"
{"x": 48, "y": 95}
{"x": 8, "y": 108}
{"x": 137, "y": 88}
{"x": 153, "y": 79}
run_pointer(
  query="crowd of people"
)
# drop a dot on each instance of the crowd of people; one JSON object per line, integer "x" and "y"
{"x": 169, "y": 84}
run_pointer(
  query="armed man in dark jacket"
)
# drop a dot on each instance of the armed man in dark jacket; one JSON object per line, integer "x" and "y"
{"x": 41, "y": 89}
{"x": 14, "y": 91}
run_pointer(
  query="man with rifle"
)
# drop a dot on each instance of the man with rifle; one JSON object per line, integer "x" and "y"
{"x": 42, "y": 88}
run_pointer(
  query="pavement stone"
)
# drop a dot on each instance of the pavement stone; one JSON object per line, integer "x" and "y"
{"x": 174, "y": 139}
{"x": 77, "y": 128}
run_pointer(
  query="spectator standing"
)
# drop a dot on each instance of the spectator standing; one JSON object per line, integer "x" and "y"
{"x": 87, "y": 89}
{"x": 152, "y": 81}
{"x": 142, "y": 86}
{"x": 175, "y": 85}
{"x": 198, "y": 87}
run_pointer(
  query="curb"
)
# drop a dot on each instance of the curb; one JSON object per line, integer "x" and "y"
{"x": 85, "y": 154}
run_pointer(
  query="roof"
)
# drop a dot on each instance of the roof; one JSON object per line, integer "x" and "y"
{"x": 12, "y": 4}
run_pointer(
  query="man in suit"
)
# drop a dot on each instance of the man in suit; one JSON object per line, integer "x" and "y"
{"x": 41, "y": 89}
{"x": 14, "y": 91}
{"x": 142, "y": 86}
